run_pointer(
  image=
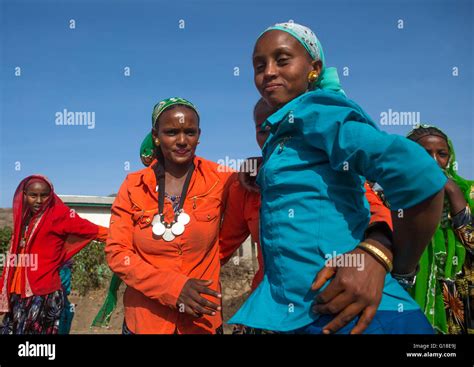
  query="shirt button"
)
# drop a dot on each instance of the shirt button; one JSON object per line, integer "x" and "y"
{"x": 180, "y": 252}
{"x": 148, "y": 220}
{"x": 208, "y": 217}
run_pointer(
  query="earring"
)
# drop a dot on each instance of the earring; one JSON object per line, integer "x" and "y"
{"x": 157, "y": 142}
{"x": 313, "y": 76}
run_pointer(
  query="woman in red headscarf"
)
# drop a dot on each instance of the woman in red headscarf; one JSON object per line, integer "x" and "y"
{"x": 46, "y": 234}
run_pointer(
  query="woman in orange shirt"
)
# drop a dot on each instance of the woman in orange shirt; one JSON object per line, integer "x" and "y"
{"x": 241, "y": 217}
{"x": 163, "y": 239}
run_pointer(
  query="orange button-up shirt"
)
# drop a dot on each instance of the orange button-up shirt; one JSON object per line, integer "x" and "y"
{"x": 241, "y": 219}
{"x": 154, "y": 270}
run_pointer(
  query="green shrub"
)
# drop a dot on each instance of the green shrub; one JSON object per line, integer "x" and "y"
{"x": 5, "y": 236}
{"x": 90, "y": 270}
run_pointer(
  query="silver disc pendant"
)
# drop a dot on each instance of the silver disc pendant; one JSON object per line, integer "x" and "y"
{"x": 158, "y": 229}
{"x": 177, "y": 228}
{"x": 156, "y": 219}
{"x": 168, "y": 235}
{"x": 183, "y": 218}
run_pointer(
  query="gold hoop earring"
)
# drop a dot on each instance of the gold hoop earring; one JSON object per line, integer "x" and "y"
{"x": 313, "y": 76}
{"x": 157, "y": 142}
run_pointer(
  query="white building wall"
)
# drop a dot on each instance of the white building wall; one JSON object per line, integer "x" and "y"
{"x": 99, "y": 215}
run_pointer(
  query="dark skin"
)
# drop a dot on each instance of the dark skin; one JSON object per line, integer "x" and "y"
{"x": 178, "y": 132}
{"x": 36, "y": 195}
{"x": 261, "y": 113}
{"x": 438, "y": 148}
{"x": 281, "y": 68}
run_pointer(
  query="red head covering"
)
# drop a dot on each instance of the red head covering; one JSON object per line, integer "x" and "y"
{"x": 55, "y": 233}
{"x": 21, "y": 210}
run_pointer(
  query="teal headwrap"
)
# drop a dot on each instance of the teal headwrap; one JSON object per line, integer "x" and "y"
{"x": 328, "y": 79}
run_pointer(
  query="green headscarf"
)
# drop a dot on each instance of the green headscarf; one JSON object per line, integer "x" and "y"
{"x": 328, "y": 78}
{"x": 161, "y": 106}
{"x": 444, "y": 257}
{"x": 102, "y": 318}
{"x": 147, "y": 152}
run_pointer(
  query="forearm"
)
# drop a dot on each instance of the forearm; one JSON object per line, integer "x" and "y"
{"x": 413, "y": 229}
{"x": 457, "y": 202}
{"x": 162, "y": 285}
{"x": 380, "y": 236}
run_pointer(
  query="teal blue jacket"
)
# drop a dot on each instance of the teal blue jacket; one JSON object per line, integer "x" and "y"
{"x": 321, "y": 149}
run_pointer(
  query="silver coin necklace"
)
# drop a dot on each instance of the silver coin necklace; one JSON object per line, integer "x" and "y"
{"x": 161, "y": 228}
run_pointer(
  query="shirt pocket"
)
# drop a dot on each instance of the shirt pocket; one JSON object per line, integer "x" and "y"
{"x": 142, "y": 217}
{"x": 207, "y": 225}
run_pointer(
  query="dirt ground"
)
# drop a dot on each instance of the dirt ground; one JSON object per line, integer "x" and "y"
{"x": 236, "y": 280}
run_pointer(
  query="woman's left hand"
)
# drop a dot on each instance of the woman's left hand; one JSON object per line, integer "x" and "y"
{"x": 351, "y": 292}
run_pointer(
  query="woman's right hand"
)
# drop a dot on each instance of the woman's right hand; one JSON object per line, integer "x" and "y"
{"x": 247, "y": 179}
{"x": 191, "y": 302}
{"x": 455, "y": 196}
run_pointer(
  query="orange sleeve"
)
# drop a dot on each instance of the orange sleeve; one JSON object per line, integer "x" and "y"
{"x": 234, "y": 230}
{"x": 102, "y": 234}
{"x": 162, "y": 285}
{"x": 378, "y": 211}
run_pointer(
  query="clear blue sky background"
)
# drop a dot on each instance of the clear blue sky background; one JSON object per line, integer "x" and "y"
{"x": 82, "y": 70}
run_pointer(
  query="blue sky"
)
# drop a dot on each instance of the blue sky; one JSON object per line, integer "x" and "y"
{"x": 82, "y": 69}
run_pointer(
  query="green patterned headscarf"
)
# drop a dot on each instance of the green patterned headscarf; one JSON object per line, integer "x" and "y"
{"x": 444, "y": 257}
{"x": 328, "y": 79}
{"x": 147, "y": 152}
{"x": 160, "y": 107}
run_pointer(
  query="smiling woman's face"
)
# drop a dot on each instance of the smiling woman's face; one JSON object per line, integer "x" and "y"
{"x": 281, "y": 67}
{"x": 178, "y": 131}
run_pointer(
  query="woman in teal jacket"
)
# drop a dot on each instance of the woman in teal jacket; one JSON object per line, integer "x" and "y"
{"x": 321, "y": 148}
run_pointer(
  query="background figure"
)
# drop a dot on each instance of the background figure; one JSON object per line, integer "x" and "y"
{"x": 444, "y": 284}
{"x": 49, "y": 233}
{"x": 68, "y": 312}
